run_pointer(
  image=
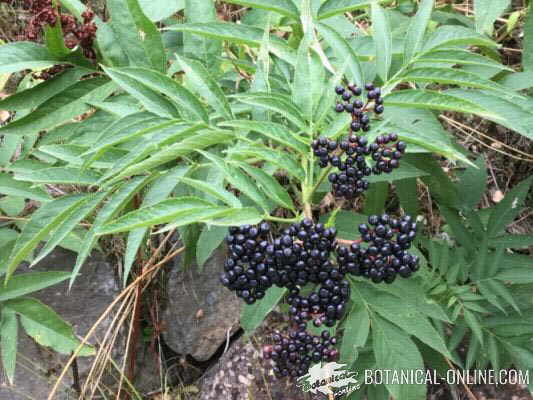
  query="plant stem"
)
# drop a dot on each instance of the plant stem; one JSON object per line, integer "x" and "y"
{"x": 280, "y": 219}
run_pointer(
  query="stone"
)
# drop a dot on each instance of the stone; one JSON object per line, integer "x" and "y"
{"x": 93, "y": 291}
{"x": 200, "y": 314}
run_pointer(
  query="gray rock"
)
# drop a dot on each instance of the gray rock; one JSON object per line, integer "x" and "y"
{"x": 38, "y": 367}
{"x": 200, "y": 313}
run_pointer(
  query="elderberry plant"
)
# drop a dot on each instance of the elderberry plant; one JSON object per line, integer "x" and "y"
{"x": 303, "y": 141}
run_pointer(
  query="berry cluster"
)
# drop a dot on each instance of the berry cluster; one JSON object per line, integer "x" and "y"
{"x": 293, "y": 352}
{"x": 248, "y": 268}
{"x": 386, "y": 158}
{"x": 385, "y": 255}
{"x": 356, "y": 107}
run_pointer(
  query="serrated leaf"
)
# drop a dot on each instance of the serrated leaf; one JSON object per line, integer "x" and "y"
{"x": 201, "y": 81}
{"x": 274, "y": 131}
{"x": 188, "y": 103}
{"x": 77, "y": 214}
{"x": 62, "y": 107}
{"x": 506, "y": 210}
{"x": 460, "y": 56}
{"x": 44, "y": 220}
{"x": 137, "y": 35}
{"x": 151, "y": 100}
{"x": 474, "y": 178}
{"x": 162, "y": 212}
{"x": 343, "y": 52}
{"x": 11, "y": 187}
{"x": 486, "y": 12}
{"x": 356, "y": 330}
{"x": 209, "y": 240}
{"x": 238, "y": 33}
{"x": 37, "y": 95}
{"x": 382, "y": 40}
{"x": 433, "y": 100}
{"x": 158, "y": 10}
{"x": 218, "y": 193}
{"x": 394, "y": 350}
{"x": 23, "y": 284}
{"x": 450, "y": 76}
{"x": 17, "y": 56}
{"x": 285, "y": 161}
{"x": 59, "y": 175}
{"x": 473, "y": 323}
{"x": 334, "y": 7}
{"x": 46, "y": 327}
{"x": 414, "y": 38}
{"x": 512, "y": 241}
{"x": 8, "y": 342}
{"x": 117, "y": 201}
{"x": 160, "y": 189}
{"x": 283, "y": 7}
{"x": 277, "y": 103}
{"x": 234, "y": 216}
{"x": 270, "y": 186}
{"x": 253, "y": 315}
{"x": 451, "y": 35}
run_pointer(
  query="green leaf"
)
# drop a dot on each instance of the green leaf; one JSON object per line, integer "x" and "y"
{"x": 216, "y": 192}
{"x": 17, "y": 56}
{"x": 200, "y": 140}
{"x": 307, "y": 82}
{"x": 417, "y": 28}
{"x": 475, "y": 179}
{"x": 506, "y": 210}
{"x": 473, "y": 322}
{"x": 44, "y": 220}
{"x": 201, "y": 81}
{"x": 376, "y": 197}
{"x": 277, "y": 103}
{"x": 114, "y": 205}
{"x": 430, "y": 99}
{"x": 395, "y": 351}
{"x": 512, "y": 241}
{"x": 137, "y": 35}
{"x": 519, "y": 276}
{"x": 238, "y": 33}
{"x": 452, "y": 35}
{"x": 8, "y": 342}
{"x": 160, "y": 83}
{"x": 11, "y": 187}
{"x": 407, "y": 171}
{"x": 334, "y": 7}
{"x": 37, "y": 95}
{"x": 209, "y": 240}
{"x": 61, "y": 175}
{"x": 46, "y": 327}
{"x": 356, "y": 330}
{"x": 77, "y": 214}
{"x": 459, "y": 56}
{"x": 54, "y": 40}
{"x": 162, "y": 212}
{"x": 450, "y": 76}
{"x": 283, "y": 7}
{"x": 503, "y": 111}
{"x": 158, "y": 10}
{"x": 158, "y": 191}
{"x": 410, "y": 320}
{"x": 284, "y": 161}
{"x": 270, "y": 186}
{"x": 149, "y": 98}
{"x": 201, "y": 11}
{"x": 23, "y": 284}
{"x": 486, "y": 12}
{"x": 343, "y": 52}
{"x": 238, "y": 179}
{"x": 527, "y": 55}
{"x": 274, "y": 131}
{"x": 253, "y": 315}
{"x": 382, "y": 40}
{"x": 62, "y": 107}
{"x": 234, "y": 216}
{"x": 407, "y": 193}
{"x": 458, "y": 228}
